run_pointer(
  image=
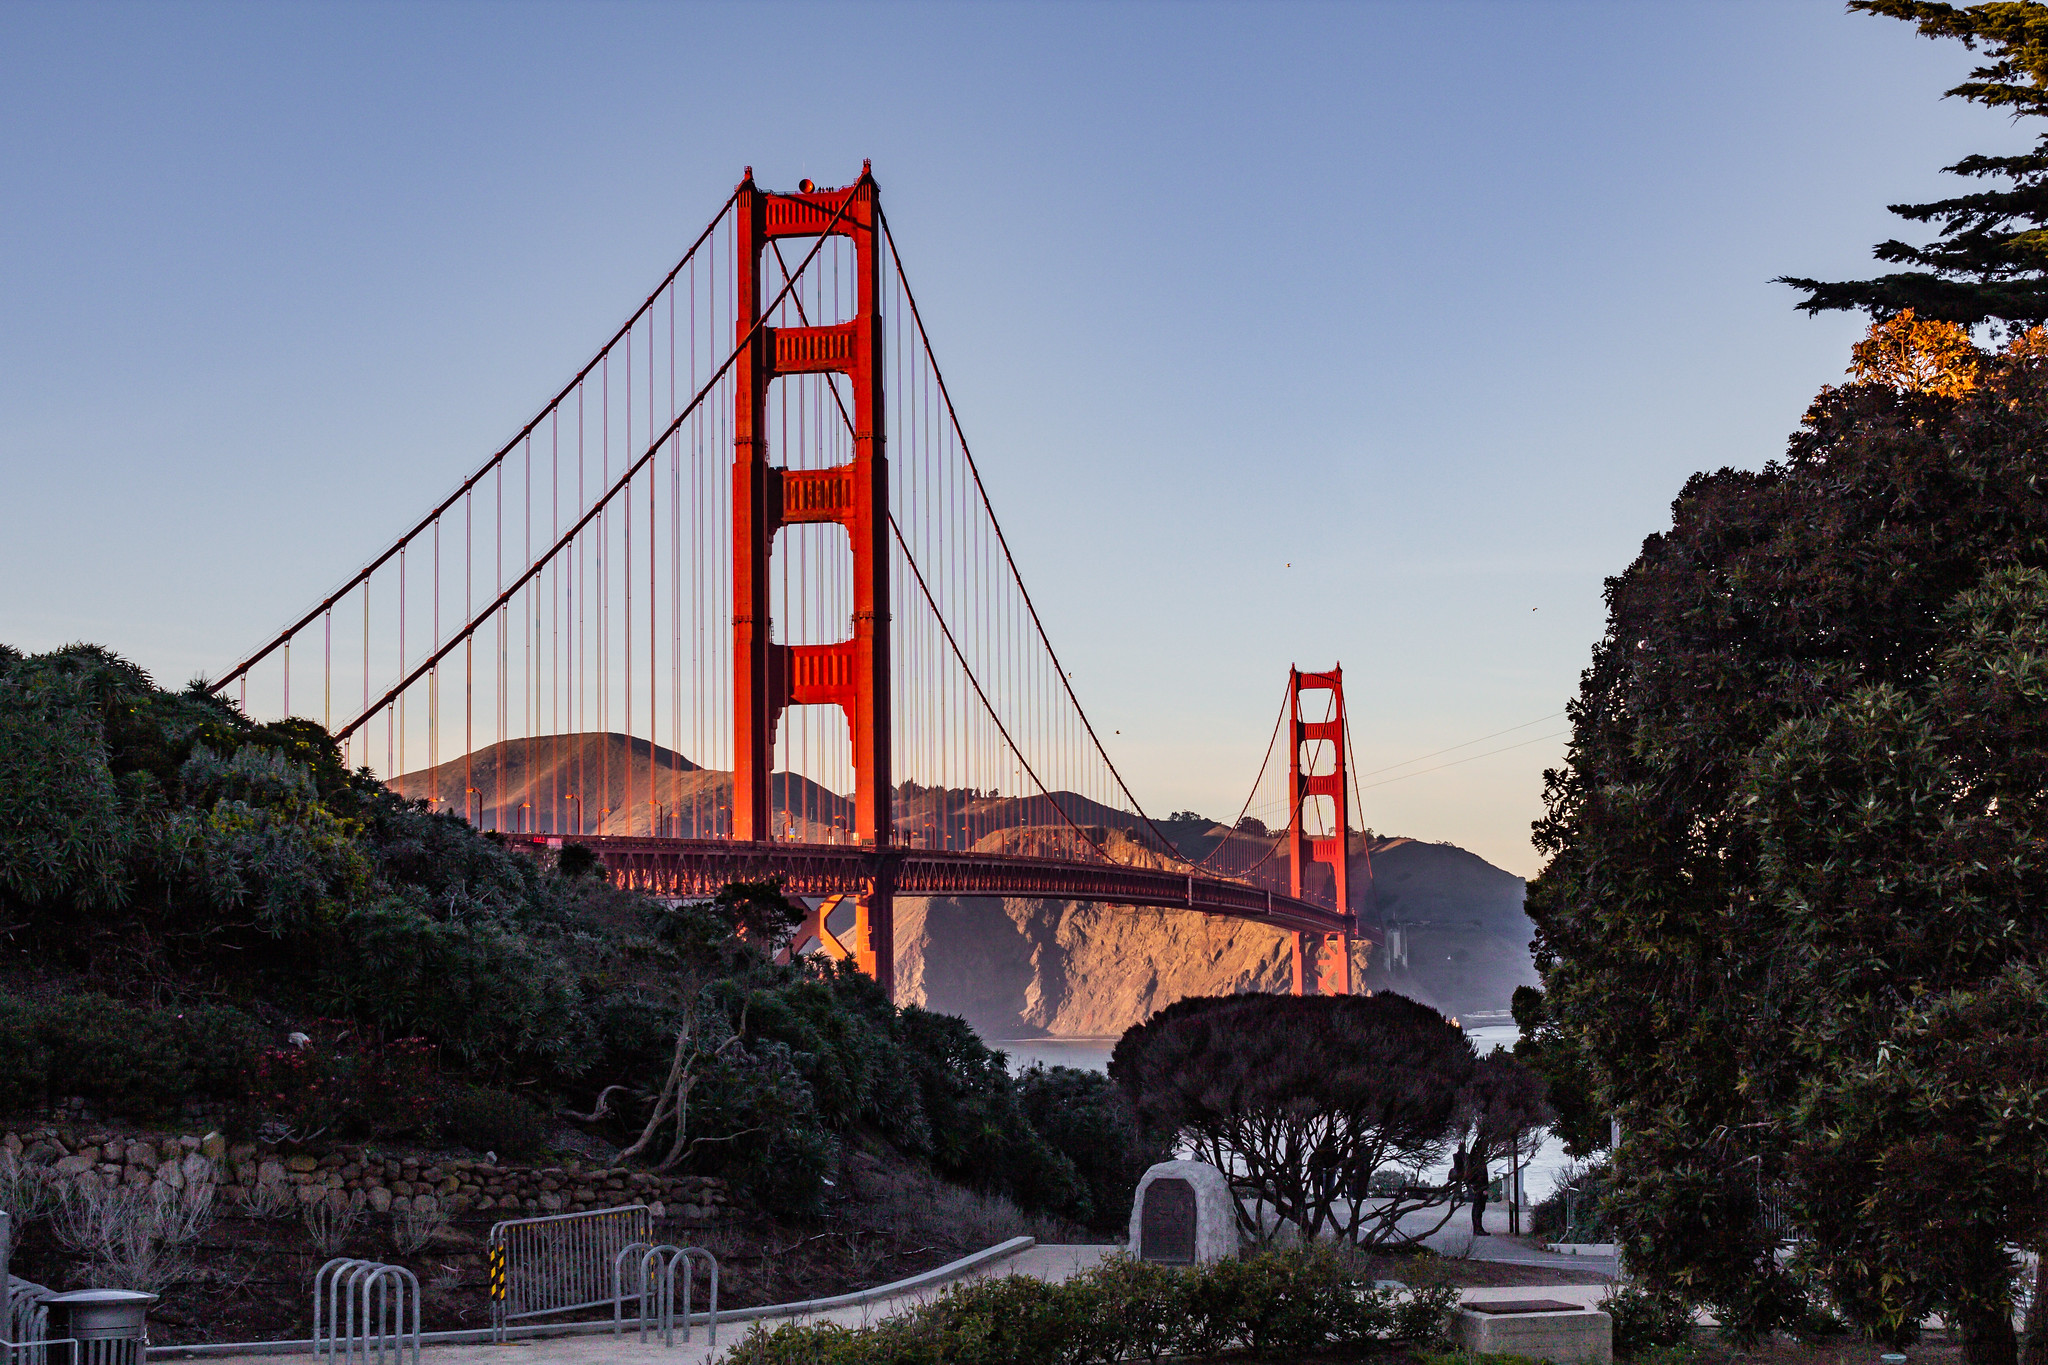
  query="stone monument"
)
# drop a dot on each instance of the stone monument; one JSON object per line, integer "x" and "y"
{"x": 1183, "y": 1214}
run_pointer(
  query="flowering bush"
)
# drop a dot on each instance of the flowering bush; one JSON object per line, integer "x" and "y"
{"x": 342, "y": 1077}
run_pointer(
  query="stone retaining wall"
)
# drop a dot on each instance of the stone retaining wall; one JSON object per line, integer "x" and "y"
{"x": 244, "y": 1171}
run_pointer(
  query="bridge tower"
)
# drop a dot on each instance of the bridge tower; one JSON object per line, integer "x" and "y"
{"x": 1322, "y": 962}
{"x": 853, "y": 673}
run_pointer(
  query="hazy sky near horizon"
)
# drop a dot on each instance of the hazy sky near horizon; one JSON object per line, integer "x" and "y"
{"x": 1285, "y": 333}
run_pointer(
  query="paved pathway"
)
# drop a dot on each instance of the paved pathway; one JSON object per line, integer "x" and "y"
{"x": 1045, "y": 1262}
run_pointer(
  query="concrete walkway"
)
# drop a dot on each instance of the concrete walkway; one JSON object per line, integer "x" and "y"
{"x": 1455, "y": 1239}
{"x": 1054, "y": 1263}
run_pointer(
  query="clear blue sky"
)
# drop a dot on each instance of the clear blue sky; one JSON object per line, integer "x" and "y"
{"x": 1436, "y": 303}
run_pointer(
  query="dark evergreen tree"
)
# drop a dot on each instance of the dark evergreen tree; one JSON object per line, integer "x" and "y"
{"x": 1989, "y": 261}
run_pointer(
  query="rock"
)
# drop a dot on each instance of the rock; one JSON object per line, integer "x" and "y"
{"x": 142, "y": 1154}
{"x": 484, "y": 1203}
{"x": 380, "y": 1200}
{"x": 69, "y": 1167}
{"x": 196, "y": 1169}
{"x": 303, "y": 1164}
{"x": 43, "y": 1151}
{"x": 551, "y": 1201}
{"x": 657, "y": 1210}
{"x": 12, "y": 1144}
{"x": 242, "y": 1151}
{"x": 449, "y": 1238}
{"x": 138, "y": 1176}
{"x": 115, "y": 1150}
{"x": 695, "y": 1212}
{"x": 213, "y": 1147}
{"x": 311, "y": 1194}
{"x": 189, "y": 1143}
{"x": 270, "y": 1173}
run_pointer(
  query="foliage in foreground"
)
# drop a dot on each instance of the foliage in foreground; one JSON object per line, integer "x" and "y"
{"x": 183, "y": 888}
{"x": 1795, "y": 915}
{"x": 1275, "y": 1303}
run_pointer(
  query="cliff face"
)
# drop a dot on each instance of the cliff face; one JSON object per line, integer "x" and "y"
{"x": 1021, "y": 968}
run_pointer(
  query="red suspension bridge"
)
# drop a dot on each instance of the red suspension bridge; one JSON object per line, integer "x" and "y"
{"x": 751, "y": 531}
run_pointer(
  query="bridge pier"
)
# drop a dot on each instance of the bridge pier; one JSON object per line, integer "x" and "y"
{"x": 1322, "y": 962}
{"x": 770, "y": 676}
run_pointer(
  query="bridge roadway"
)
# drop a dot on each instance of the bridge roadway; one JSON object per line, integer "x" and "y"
{"x": 699, "y": 867}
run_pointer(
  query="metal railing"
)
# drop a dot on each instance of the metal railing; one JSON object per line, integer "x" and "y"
{"x": 657, "y": 1282}
{"x": 561, "y": 1262}
{"x": 24, "y": 1310}
{"x": 366, "y": 1303}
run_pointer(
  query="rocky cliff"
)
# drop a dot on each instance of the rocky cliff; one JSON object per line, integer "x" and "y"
{"x": 1457, "y": 939}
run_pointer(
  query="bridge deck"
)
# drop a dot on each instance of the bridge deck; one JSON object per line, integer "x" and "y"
{"x": 699, "y": 867}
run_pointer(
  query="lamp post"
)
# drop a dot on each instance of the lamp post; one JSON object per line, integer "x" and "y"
{"x": 572, "y": 796}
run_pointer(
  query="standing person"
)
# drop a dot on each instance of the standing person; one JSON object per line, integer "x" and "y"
{"x": 1475, "y": 1186}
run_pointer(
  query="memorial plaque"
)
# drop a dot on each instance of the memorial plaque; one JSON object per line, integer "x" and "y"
{"x": 1167, "y": 1223}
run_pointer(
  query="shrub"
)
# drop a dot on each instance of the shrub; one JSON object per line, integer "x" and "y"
{"x": 1572, "y": 1211}
{"x": 1645, "y": 1319}
{"x": 495, "y": 1121}
{"x": 1143, "y": 1308}
{"x": 142, "y": 1063}
{"x": 344, "y": 1079}
{"x": 1014, "y": 1318}
{"x": 1282, "y": 1302}
{"x": 1424, "y": 1317}
{"x": 1087, "y": 1120}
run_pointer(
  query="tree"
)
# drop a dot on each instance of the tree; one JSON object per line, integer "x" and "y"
{"x": 1793, "y": 875}
{"x": 1990, "y": 259}
{"x": 1302, "y": 1099}
{"x": 1503, "y": 1112}
{"x": 759, "y": 911}
{"x": 1577, "y": 1120}
{"x": 1088, "y": 1120}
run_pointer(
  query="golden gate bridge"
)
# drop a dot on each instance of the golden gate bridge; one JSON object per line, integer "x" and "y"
{"x": 735, "y": 605}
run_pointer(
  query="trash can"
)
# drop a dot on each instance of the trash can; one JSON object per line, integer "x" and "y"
{"x": 109, "y": 1325}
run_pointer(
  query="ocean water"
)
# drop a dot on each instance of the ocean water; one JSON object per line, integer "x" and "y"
{"x": 1092, "y": 1054}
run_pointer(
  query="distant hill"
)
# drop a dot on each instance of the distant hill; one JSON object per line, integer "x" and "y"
{"x": 624, "y": 785}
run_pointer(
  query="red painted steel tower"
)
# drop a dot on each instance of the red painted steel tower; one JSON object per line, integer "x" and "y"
{"x": 1330, "y": 954}
{"x": 852, "y": 674}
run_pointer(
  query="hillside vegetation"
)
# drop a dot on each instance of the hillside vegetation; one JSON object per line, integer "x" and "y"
{"x": 181, "y": 889}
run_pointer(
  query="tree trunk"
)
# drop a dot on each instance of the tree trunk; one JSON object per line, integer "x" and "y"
{"x": 1988, "y": 1338}
{"x": 2034, "y": 1350}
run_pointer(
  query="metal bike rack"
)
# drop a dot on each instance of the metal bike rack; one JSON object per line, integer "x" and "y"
{"x": 562, "y": 1262}
{"x": 381, "y": 1293}
{"x": 657, "y": 1281}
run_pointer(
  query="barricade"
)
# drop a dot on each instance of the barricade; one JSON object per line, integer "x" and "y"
{"x": 561, "y": 1263}
{"x": 657, "y": 1281}
{"x": 24, "y": 1311}
{"x": 365, "y": 1307}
